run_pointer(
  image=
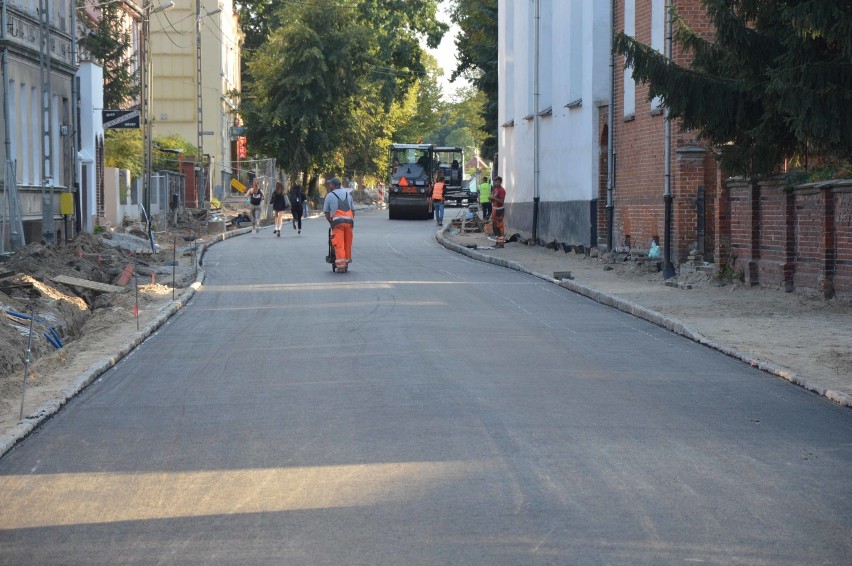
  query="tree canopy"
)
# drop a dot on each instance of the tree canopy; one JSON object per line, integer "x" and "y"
{"x": 109, "y": 43}
{"x": 775, "y": 83}
{"x": 477, "y": 60}
{"x": 326, "y": 80}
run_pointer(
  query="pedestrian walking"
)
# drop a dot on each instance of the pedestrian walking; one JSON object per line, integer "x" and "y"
{"x": 438, "y": 198}
{"x": 255, "y": 198}
{"x": 484, "y": 199}
{"x": 498, "y": 200}
{"x": 297, "y": 206}
{"x": 339, "y": 210}
{"x": 280, "y": 203}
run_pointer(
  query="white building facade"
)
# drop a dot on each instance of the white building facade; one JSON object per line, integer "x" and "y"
{"x": 566, "y": 101}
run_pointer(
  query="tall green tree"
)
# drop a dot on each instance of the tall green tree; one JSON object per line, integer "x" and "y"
{"x": 775, "y": 81}
{"x": 426, "y": 119}
{"x": 110, "y": 44}
{"x": 327, "y": 79}
{"x": 477, "y": 60}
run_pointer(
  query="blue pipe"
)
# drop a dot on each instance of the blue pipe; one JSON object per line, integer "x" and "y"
{"x": 53, "y": 337}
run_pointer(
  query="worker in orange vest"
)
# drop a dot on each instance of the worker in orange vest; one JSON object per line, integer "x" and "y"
{"x": 340, "y": 212}
{"x": 438, "y": 198}
{"x": 498, "y": 200}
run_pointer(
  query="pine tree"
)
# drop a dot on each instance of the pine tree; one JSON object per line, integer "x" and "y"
{"x": 109, "y": 43}
{"x": 776, "y": 82}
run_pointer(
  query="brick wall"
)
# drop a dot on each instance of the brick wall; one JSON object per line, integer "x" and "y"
{"x": 843, "y": 242}
{"x": 795, "y": 239}
{"x": 640, "y": 159}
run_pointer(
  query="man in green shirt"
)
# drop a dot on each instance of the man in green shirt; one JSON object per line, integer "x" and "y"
{"x": 484, "y": 198}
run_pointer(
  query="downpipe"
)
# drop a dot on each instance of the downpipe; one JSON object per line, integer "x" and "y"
{"x": 668, "y": 268}
{"x": 536, "y": 120}
{"x": 610, "y": 119}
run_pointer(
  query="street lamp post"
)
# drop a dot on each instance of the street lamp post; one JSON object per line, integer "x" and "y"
{"x": 146, "y": 72}
{"x": 199, "y": 16}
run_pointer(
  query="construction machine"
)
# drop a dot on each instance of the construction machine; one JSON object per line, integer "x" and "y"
{"x": 412, "y": 175}
{"x": 450, "y": 160}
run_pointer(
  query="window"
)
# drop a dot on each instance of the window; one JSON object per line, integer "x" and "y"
{"x": 575, "y": 55}
{"x": 545, "y": 74}
{"x": 658, "y": 34}
{"x": 629, "y": 83}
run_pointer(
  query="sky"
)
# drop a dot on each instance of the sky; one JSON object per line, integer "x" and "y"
{"x": 446, "y": 53}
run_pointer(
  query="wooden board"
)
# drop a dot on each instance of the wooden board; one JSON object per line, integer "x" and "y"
{"x": 86, "y": 284}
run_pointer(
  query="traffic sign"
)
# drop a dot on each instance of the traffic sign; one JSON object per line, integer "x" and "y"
{"x": 237, "y": 131}
{"x": 120, "y": 119}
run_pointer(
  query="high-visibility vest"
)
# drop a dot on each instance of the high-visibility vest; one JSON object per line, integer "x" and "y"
{"x": 343, "y": 214}
{"x": 484, "y": 192}
{"x": 438, "y": 191}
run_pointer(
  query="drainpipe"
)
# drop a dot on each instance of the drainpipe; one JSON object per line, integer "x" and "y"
{"x": 668, "y": 270}
{"x": 610, "y": 142}
{"x": 7, "y": 142}
{"x": 75, "y": 159}
{"x": 536, "y": 118}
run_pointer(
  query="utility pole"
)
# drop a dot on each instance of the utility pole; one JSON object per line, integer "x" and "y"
{"x": 47, "y": 231}
{"x": 146, "y": 69}
{"x": 198, "y": 91}
{"x": 200, "y": 159}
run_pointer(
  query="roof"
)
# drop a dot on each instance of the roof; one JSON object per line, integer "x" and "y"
{"x": 411, "y": 145}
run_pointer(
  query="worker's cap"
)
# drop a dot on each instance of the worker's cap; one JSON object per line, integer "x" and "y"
{"x": 334, "y": 181}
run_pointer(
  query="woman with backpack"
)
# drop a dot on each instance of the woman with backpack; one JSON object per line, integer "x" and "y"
{"x": 297, "y": 206}
{"x": 280, "y": 203}
{"x": 255, "y": 199}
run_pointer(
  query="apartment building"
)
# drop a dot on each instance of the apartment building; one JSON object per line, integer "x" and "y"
{"x": 175, "y": 79}
{"x": 37, "y": 74}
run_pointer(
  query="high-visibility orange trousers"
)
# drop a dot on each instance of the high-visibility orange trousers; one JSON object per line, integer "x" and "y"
{"x": 341, "y": 239}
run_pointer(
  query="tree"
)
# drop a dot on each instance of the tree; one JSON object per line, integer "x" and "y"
{"x": 123, "y": 150}
{"x": 326, "y": 80}
{"x": 427, "y": 116}
{"x": 109, "y": 43}
{"x": 775, "y": 83}
{"x": 477, "y": 60}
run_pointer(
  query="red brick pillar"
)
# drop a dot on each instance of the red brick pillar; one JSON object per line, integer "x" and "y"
{"x": 722, "y": 242}
{"x": 788, "y": 267}
{"x": 745, "y": 228}
{"x": 826, "y": 253}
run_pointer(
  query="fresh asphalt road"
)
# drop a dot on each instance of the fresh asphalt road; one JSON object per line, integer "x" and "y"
{"x": 423, "y": 408}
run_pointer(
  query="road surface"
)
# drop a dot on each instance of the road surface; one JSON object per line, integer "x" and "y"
{"x": 423, "y": 408}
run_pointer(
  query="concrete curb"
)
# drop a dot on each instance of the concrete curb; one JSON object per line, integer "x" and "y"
{"x": 12, "y": 437}
{"x": 657, "y": 318}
